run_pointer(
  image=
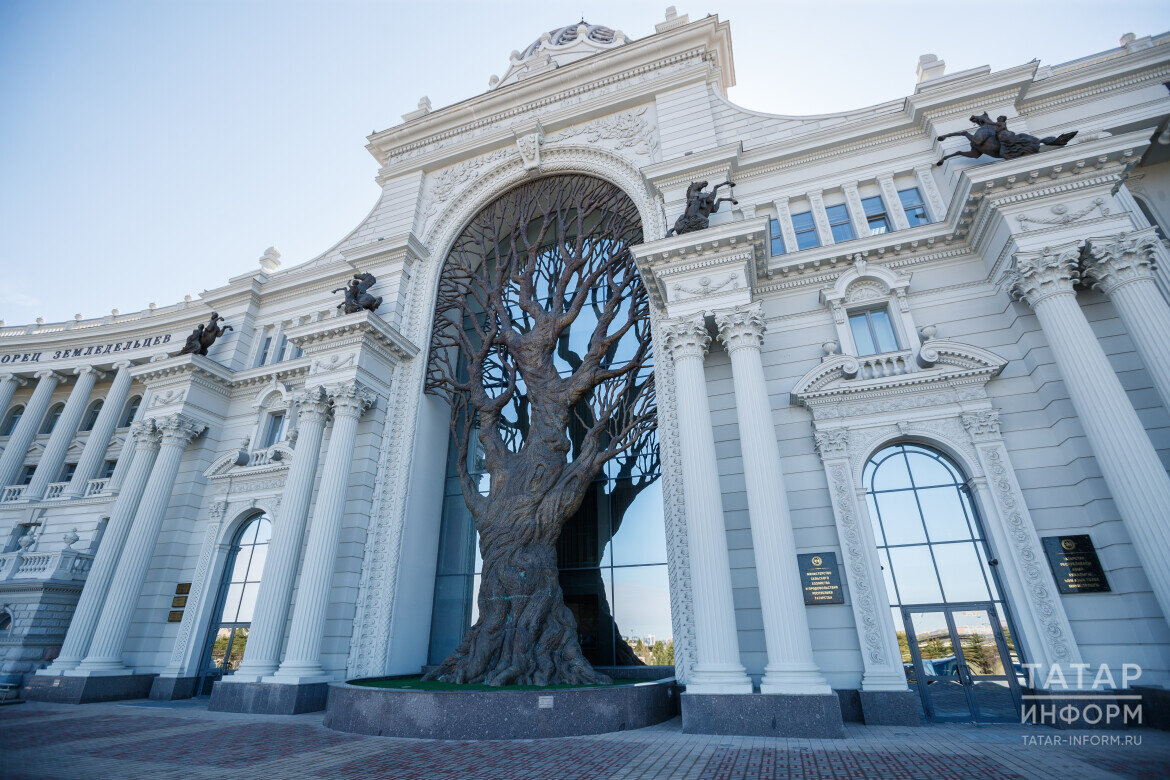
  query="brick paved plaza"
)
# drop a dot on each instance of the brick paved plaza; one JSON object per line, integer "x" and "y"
{"x": 184, "y": 740}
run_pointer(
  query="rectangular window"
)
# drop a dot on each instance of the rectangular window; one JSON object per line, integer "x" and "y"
{"x": 839, "y": 223}
{"x": 281, "y": 347}
{"x": 777, "y": 237}
{"x": 275, "y": 428}
{"x": 914, "y": 207}
{"x": 875, "y": 215}
{"x": 107, "y": 469}
{"x": 806, "y": 230}
{"x": 26, "y": 475}
{"x": 294, "y": 352}
{"x": 67, "y": 472}
{"x": 873, "y": 333}
{"x": 263, "y": 356}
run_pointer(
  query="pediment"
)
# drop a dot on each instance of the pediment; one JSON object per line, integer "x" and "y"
{"x": 240, "y": 463}
{"x": 939, "y": 363}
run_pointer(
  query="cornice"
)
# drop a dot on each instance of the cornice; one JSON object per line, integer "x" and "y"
{"x": 352, "y": 328}
{"x": 193, "y": 367}
{"x": 738, "y": 241}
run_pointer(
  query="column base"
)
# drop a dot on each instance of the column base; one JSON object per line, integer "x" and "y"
{"x": 167, "y": 688}
{"x": 55, "y": 669}
{"x": 814, "y": 716}
{"x": 100, "y": 671}
{"x": 890, "y": 708}
{"x": 713, "y": 679}
{"x": 268, "y": 698}
{"x": 64, "y": 689}
{"x": 795, "y": 680}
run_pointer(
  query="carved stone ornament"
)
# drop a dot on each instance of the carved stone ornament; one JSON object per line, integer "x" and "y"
{"x": 741, "y": 327}
{"x": 352, "y": 398}
{"x": 686, "y": 337}
{"x": 1062, "y": 215}
{"x": 1117, "y": 260}
{"x": 1035, "y": 276}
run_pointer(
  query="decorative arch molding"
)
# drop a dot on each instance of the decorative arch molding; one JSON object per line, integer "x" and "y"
{"x": 947, "y": 408}
{"x": 372, "y": 638}
{"x": 865, "y": 286}
{"x": 266, "y": 394}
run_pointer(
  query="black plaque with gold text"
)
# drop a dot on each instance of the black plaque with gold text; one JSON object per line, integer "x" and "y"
{"x": 1075, "y": 564}
{"x": 819, "y": 578}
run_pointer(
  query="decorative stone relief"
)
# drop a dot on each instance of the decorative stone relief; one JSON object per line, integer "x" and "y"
{"x": 442, "y": 185}
{"x": 627, "y": 130}
{"x": 860, "y": 585}
{"x": 706, "y": 287}
{"x": 215, "y": 512}
{"x": 1062, "y": 215}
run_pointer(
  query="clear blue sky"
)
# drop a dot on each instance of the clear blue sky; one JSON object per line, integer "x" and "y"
{"x": 153, "y": 149}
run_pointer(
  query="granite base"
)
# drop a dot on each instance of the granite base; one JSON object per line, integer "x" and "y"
{"x": 816, "y": 716}
{"x": 83, "y": 690}
{"x": 268, "y": 698}
{"x": 171, "y": 688}
{"x": 890, "y": 708}
{"x": 474, "y": 715}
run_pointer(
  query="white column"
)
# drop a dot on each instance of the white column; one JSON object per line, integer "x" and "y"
{"x": 717, "y": 665}
{"x": 784, "y": 217}
{"x": 103, "y": 430}
{"x": 262, "y": 655}
{"x": 856, "y": 210}
{"x": 8, "y": 385}
{"x": 1123, "y": 267}
{"x": 791, "y": 668}
{"x": 26, "y": 430}
{"x": 49, "y": 467}
{"x": 146, "y": 437}
{"x": 302, "y": 660}
{"x": 820, "y": 217}
{"x": 893, "y": 202}
{"x": 1133, "y": 472}
{"x": 126, "y": 456}
{"x": 105, "y": 651}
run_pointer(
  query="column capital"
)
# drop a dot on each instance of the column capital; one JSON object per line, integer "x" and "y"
{"x": 179, "y": 429}
{"x": 832, "y": 444}
{"x": 47, "y": 373}
{"x": 145, "y": 433}
{"x": 20, "y": 381}
{"x": 686, "y": 337}
{"x": 982, "y": 425}
{"x": 312, "y": 405}
{"x": 352, "y": 399}
{"x": 1035, "y": 276}
{"x": 1113, "y": 261}
{"x": 121, "y": 364}
{"x": 741, "y": 327}
{"x": 81, "y": 371}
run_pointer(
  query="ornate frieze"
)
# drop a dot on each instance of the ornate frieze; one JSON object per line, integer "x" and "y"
{"x": 1061, "y": 215}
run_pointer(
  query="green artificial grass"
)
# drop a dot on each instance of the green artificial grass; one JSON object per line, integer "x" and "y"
{"x": 417, "y": 683}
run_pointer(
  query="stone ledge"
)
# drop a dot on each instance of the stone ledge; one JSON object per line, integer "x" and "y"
{"x": 171, "y": 688}
{"x": 268, "y": 698}
{"x": 473, "y": 715}
{"x": 816, "y": 716}
{"x": 83, "y": 690}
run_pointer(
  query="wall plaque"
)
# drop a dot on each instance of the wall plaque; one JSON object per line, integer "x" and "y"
{"x": 178, "y": 602}
{"x": 1075, "y": 564}
{"x": 175, "y": 616}
{"x": 820, "y": 579}
{"x": 183, "y": 588}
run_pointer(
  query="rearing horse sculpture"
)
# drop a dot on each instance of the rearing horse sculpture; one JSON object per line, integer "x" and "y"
{"x": 204, "y": 336}
{"x": 995, "y": 140}
{"x": 700, "y": 206}
{"x": 356, "y": 297}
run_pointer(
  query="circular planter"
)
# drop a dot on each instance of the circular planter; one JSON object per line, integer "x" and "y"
{"x": 471, "y": 715}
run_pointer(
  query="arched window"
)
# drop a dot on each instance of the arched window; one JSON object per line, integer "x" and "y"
{"x": 948, "y": 608}
{"x": 51, "y": 418}
{"x": 91, "y": 415}
{"x": 129, "y": 411}
{"x": 228, "y": 633}
{"x": 5, "y": 621}
{"x": 10, "y": 420}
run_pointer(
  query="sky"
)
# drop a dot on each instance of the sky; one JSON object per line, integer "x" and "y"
{"x": 150, "y": 150}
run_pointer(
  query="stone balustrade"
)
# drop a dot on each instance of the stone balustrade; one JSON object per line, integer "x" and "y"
{"x": 12, "y": 493}
{"x": 61, "y": 565}
{"x": 886, "y": 364}
{"x": 96, "y": 486}
{"x": 55, "y": 489}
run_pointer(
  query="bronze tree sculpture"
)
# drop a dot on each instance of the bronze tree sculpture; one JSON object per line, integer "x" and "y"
{"x": 700, "y": 206}
{"x": 204, "y": 336}
{"x": 514, "y": 285}
{"x": 995, "y": 140}
{"x": 356, "y": 297}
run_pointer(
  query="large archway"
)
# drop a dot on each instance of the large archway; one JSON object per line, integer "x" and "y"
{"x": 542, "y": 349}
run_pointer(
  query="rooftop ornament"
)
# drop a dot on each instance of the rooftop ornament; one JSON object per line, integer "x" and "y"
{"x": 995, "y": 140}
{"x": 700, "y": 206}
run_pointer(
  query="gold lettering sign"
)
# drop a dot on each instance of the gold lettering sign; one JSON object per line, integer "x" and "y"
{"x": 176, "y": 616}
{"x": 1075, "y": 564}
{"x": 820, "y": 578}
{"x": 183, "y": 588}
{"x": 179, "y": 602}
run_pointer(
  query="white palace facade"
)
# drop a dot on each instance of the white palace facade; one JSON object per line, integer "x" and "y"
{"x": 904, "y": 409}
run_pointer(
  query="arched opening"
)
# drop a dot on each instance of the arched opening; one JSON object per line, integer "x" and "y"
{"x": 10, "y": 420}
{"x": 949, "y": 613}
{"x": 51, "y": 418}
{"x": 129, "y": 411}
{"x": 539, "y": 292}
{"x": 235, "y": 601}
{"x": 91, "y": 415}
{"x": 5, "y": 620}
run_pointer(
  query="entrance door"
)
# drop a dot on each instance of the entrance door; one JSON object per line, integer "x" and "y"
{"x": 962, "y": 667}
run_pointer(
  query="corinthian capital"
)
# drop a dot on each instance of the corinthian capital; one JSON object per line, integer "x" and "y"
{"x": 1117, "y": 260}
{"x": 312, "y": 405}
{"x": 179, "y": 430}
{"x": 833, "y": 443}
{"x": 145, "y": 433}
{"x": 352, "y": 398}
{"x": 982, "y": 425}
{"x": 686, "y": 337}
{"x": 741, "y": 327}
{"x": 1035, "y": 276}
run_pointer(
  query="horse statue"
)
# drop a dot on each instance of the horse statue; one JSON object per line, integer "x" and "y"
{"x": 356, "y": 297}
{"x": 700, "y": 206}
{"x": 204, "y": 336}
{"x": 995, "y": 140}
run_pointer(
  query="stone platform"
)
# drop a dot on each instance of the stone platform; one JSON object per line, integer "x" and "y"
{"x": 478, "y": 715}
{"x": 65, "y": 689}
{"x": 815, "y": 716}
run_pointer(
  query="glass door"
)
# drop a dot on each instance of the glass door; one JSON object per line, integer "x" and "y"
{"x": 963, "y": 664}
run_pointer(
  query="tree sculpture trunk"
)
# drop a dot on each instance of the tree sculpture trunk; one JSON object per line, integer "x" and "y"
{"x": 514, "y": 285}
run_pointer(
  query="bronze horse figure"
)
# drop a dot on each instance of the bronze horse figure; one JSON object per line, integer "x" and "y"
{"x": 204, "y": 336}
{"x": 700, "y": 206}
{"x": 994, "y": 139}
{"x": 356, "y": 297}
